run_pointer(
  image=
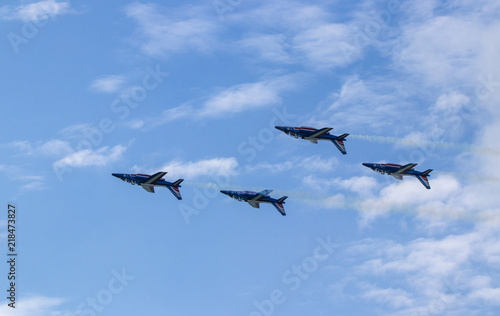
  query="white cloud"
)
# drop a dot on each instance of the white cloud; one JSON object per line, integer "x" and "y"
{"x": 309, "y": 164}
{"x": 90, "y": 157}
{"x": 35, "y": 306}
{"x": 108, "y": 84}
{"x": 247, "y": 96}
{"x": 327, "y": 46}
{"x": 306, "y": 35}
{"x": 169, "y": 115}
{"x": 396, "y": 298}
{"x": 35, "y": 11}
{"x": 362, "y": 185}
{"x": 214, "y": 167}
{"x": 53, "y": 147}
{"x": 373, "y": 103}
{"x": 164, "y": 31}
{"x": 269, "y": 47}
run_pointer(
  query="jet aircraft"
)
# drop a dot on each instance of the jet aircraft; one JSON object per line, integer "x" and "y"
{"x": 254, "y": 198}
{"x": 148, "y": 182}
{"x": 313, "y": 135}
{"x": 398, "y": 171}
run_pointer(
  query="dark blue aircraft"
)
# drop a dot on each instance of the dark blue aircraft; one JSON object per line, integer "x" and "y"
{"x": 148, "y": 182}
{"x": 398, "y": 171}
{"x": 254, "y": 198}
{"x": 313, "y": 135}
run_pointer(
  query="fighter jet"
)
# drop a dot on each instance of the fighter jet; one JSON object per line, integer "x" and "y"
{"x": 398, "y": 171}
{"x": 254, "y": 198}
{"x": 313, "y": 135}
{"x": 148, "y": 182}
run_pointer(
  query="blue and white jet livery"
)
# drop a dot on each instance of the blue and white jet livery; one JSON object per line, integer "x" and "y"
{"x": 254, "y": 198}
{"x": 313, "y": 135}
{"x": 398, "y": 171}
{"x": 149, "y": 183}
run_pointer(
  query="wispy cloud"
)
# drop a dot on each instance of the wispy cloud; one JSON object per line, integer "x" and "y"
{"x": 90, "y": 157}
{"x": 267, "y": 47}
{"x": 248, "y": 96}
{"x": 366, "y": 103}
{"x": 307, "y": 35}
{"x": 222, "y": 166}
{"x": 108, "y": 84}
{"x": 309, "y": 164}
{"x": 35, "y": 11}
{"x": 163, "y": 31}
{"x": 235, "y": 99}
{"x": 36, "y": 306}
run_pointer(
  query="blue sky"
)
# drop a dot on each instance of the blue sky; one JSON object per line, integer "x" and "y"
{"x": 194, "y": 89}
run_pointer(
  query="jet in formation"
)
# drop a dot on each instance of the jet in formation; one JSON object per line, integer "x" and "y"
{"x": 313, "y": 135}
{"x": 148, "y": 182}
{"x": 254, "y": 198}
{"x": 398, "y": 171}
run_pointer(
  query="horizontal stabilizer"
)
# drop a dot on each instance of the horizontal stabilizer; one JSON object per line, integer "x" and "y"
{"x": 178, "y": 182}
{"x": 426, "y": 172}
{"x": 342, "y": 137}
{"x": 281, "y": 199}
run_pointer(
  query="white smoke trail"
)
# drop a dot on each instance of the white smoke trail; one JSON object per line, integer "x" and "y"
{"x": 439, "y": 145}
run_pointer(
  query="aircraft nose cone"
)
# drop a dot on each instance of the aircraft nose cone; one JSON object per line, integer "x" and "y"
{"x": 369, "y": 165}
{"x": 115, "y": 175}
{"x": 224, "y": 192}
{"x": 281, "y": 128}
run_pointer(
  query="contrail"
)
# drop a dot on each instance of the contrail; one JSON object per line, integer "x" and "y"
{"x": 440, "y": 145}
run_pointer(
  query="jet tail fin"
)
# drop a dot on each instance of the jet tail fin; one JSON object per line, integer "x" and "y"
{"x": 175, "y": 190}
{"x": 426, "y": 172}
{"x": 178, "y": 182}
{"x": 339, "y": 143}
{"x": 423, "y": 179}
{"x": 279, "y": 207}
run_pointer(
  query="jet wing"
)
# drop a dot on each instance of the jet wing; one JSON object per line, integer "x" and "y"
{"x": 154, "y": 178}
{"x": 320, "y": 132}
{"x": 259, "y": 196}
{"x": 149, "y": 188}
{"x": 254, "y": 204}
{"x": 404, "y": 168}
